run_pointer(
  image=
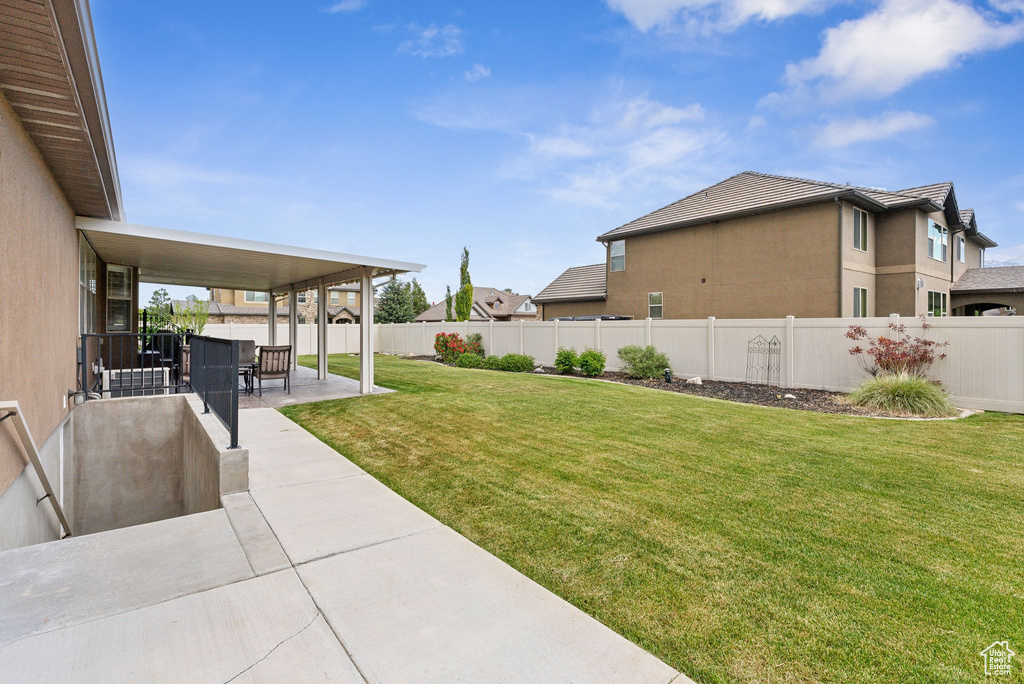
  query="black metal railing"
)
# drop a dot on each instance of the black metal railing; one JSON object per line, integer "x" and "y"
{"x": 131, "y": 365}
{"x": 214, "y": 377}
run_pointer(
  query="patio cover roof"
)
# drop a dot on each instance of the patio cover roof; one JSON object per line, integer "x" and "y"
{"x": 178, "y": 257}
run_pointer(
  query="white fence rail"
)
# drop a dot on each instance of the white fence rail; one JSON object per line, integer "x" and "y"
{"x": 983, "y": 368}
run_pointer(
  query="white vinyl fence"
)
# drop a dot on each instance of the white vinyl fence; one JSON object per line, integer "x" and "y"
{"x": 983, "y": 368}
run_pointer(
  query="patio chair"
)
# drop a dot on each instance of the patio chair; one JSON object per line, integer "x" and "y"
{"x": 274, "y": 364}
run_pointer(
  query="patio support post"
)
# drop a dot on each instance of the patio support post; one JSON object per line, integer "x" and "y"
{"x": 293, "y": 324}
{"x": 321, "y": 330}
{"x": 366, "y": 332}
{"x": 271, "y": 319}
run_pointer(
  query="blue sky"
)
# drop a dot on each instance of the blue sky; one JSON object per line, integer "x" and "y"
{"x": 523, "y": 130}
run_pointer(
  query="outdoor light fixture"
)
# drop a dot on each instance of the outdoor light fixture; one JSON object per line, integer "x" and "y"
{"x": 668, "y": 375}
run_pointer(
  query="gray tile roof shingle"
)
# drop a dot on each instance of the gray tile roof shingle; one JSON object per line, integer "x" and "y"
{"x": 488, "y": 303}
{"x": 751, "y": 192}
{"x": 578, "y": 283}
{"x": 995, "y": 279}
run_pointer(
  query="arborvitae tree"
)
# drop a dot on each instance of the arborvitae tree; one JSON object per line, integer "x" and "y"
{"x": 418, "y": 298}
{"x": 395, "y": 306}
{"x": 448, "y": 304}
{"x": 464, "y": 297}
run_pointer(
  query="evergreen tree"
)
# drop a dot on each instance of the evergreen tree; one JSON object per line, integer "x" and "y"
{"x": 418, "y": 298}
{"x": 464, "y": 297}
{"x": 448, "y": 305}
{"x": 395, "y": 305}
{"x": 160, "y": 302}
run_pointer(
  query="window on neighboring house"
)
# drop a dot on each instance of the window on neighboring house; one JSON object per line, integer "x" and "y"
{"x": 119, "y": 298}
{"x": 655, "y": 305}
{"x": 527, "y": 307}
{"x": 252, "y": 297}
{"x": 860, "y": 302}
{"x": 936, "y": 303}
{"x": 618, "y": 255}
{"x": 301, "y": 297}
{"x": 860, "y": 230}
{"x": 961, "y": 249}
{"x": 335, "y": 298}
{"x": 302, "y": 320}
{"x": 351, "y": 298}
{"x": 981, "y": 258}
{"x": 938, "y": 240}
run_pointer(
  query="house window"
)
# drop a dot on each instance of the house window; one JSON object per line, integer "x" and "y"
{"x": 302, "y": 320}
{"x": 860, "y": 230}
{"x": 938, "y": 240}
{"x": 87, "y": 298}
{"x": 981, "y": 258}
{"x": 301, "y": 297}
{"x": 618, "y": 255}
{"x": 335, "y": 298}
{"x": 961, "y": 249}
{"x": 655, "y": 309}
{"x": 351, "y": 298}
{"x": 251, "y": 297}
{"x": 119, "y": 298}
{"x": 936, "y": 303}
{"x": 860, "y": 302}
{"x": 527, "y": 307}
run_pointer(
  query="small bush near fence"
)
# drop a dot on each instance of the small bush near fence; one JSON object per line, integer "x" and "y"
{"x": 475, "y": 344}
{"x": 899, "y": 354}
{"x": 469, "y": 360}
{"x": 449, "y": 346}
{"x": 904, "y": 393}
{"x": 643, "y": 362}
{"x": 591, "y": 362}
{"x": 511, "y": 363}
{"x": 566, "y": 360}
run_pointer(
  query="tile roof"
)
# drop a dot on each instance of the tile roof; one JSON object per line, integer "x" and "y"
{"x": 936, "y": 192}
{"x": 994, "y": 279}
{"x": 751, "y": 192}
{"x": 578, "y": 283}
{"x": 488, "y": 303}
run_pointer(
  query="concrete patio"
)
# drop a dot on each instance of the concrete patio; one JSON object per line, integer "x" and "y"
{"x": 317, "y": 573}
{"x": 306, "y": 387}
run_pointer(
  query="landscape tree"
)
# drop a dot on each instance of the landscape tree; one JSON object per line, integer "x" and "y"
{"x": 418, "y": 298}
{"x": 160, "y": 302}
{"x": 395, "y": 303}
{"x": 448, "y": 304}
{"x": 464, "y": 297}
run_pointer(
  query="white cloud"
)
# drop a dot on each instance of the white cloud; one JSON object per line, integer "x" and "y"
{"x": 433, "y": 41}
{"x": 756, "y": 122}
{"x": 841, "y": 133}
{"x": 898, "y": 43}
{"x": 346, "y": 6}
{"x": 477, "y": 72}
{"x": 1005, "y": 256}
{"x": 716, "y": 14}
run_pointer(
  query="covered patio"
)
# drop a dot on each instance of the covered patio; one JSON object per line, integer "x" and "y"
{"x": 177, "y": 257}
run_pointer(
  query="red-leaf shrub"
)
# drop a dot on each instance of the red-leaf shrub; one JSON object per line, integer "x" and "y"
{"x": 449, "y": 346}
{"x": 898, "y": 354}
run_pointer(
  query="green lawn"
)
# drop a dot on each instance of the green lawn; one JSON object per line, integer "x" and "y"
{"x": 737, "y": 543}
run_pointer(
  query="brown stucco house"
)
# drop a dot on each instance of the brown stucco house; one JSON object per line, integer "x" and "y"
{"x": 763, "y": 246}
{"x": 250, "y": 306}
{"x": 489, "y": 304}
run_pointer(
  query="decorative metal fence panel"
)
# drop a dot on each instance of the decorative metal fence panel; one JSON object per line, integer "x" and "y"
{"x": 214, "y": 377}
{"x": 764, "y": 359}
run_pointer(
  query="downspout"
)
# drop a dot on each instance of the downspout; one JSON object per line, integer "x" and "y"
{"x": 839, "y": 224}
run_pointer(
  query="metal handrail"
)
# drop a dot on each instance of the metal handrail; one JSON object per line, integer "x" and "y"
{"x": 13, "y": 410}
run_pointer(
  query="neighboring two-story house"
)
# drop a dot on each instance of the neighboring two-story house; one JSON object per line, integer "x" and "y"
{"x": 246, "y": 306}
{"x": 489, "y": 304}
{"x": 763, "y": 246}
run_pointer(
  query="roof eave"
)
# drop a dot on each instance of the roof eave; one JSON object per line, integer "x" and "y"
{"x": 583, "y": 298}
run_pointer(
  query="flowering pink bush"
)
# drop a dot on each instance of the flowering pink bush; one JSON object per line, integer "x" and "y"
{"x": 450, "y": 346}
{"x": 898, "y": 354}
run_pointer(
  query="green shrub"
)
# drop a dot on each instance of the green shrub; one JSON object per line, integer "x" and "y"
{"x": 475, "y": 343}
{"x": 469, "y": 360}
{"x": 643, "y": 362}
{"x": 903, "y": 393}
{"x": 492, "y": 363}
{"x": 517, "y": 363}
{"x": 591, "y": 362}
{"x": 566, "y": 360}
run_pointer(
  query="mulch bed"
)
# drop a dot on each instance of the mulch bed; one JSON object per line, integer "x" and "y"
{"x": 822, "y": 401}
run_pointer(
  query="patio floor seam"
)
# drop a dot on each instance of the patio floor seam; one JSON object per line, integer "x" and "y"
{"x": 367, "y": 546}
